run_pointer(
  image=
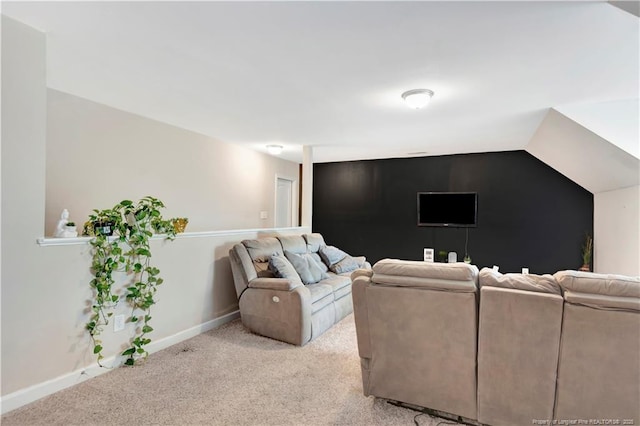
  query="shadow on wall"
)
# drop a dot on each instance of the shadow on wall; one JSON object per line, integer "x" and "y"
{"x": 224, "y": 296}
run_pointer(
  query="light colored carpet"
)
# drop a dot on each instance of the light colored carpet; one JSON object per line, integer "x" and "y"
{"x": 228, "y": 376}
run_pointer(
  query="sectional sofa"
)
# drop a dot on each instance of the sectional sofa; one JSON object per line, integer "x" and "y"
{"x": 497, "y": 349}
{"x": 292, "y": 288}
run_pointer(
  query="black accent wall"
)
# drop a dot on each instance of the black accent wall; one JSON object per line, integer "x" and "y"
{"x": 529, "y": 215}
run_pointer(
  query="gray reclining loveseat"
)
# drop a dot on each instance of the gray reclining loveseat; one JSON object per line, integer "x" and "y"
{"x": 292, "y": 288}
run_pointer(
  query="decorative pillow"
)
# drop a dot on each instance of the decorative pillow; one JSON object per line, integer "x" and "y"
{"x": 301, "y": 266}
{"x": 306, "y": 267}
{"x": 319, "y": 262}
{"x": 282, "y": 268}
{"x": 331, "y": 255}
{"x": 347, "y": 264}
{"x": 316, "y": 270}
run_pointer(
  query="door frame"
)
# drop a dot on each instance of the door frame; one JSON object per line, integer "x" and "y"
{"x": 294, "y": 199}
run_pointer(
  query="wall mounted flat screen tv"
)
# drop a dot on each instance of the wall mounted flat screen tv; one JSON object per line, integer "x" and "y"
{"x": 454, "y": 209}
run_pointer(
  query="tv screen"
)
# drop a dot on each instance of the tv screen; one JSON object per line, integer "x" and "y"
{"x": 456, "y": 209}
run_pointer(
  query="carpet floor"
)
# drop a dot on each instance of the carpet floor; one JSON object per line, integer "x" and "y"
{"x": 228, "y": 376}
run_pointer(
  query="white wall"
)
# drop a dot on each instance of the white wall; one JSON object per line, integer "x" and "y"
{"x": 46, "y": 348}
{"x": 617, "y": 231}
{"x": 23, "y": 176}
{"x": 96, "y": 157}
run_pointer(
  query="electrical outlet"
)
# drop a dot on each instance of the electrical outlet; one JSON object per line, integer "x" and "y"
{"x": 118, "y": 323}
{"x": 264, "y": 215}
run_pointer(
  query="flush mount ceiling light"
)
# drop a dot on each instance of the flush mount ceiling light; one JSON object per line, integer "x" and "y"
{"x": 417, "y": 98}
{"x": 274, "y": 149}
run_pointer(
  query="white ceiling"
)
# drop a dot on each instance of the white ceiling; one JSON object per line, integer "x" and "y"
{"x": 330, "y": 74}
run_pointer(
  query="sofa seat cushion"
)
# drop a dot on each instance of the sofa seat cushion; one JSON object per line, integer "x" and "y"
{"x": 528, "y": 282}
{"x": 321, "y": 296}
{"x": 341, "y": 285}
{"x": 603, "y": 284}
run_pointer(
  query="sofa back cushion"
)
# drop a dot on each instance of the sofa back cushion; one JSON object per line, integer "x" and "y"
{"x": 604, "y": 284}
{"x": 600, "y": 291}
{"x": 456, "y": 277}
{"x": 528, "y": 282}
{"x": 260, "y": 251}
{"x": 293, "y": 243}
{"x": 314, "y": 242}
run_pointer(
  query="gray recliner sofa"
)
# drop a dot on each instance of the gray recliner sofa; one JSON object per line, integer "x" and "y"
{"x": 563, "y": 347}
{"x": 599, "y": 365}
{"x": 417, "y": 327}
{"x": 284, "y": 308}
{"x": 518, "y": 345}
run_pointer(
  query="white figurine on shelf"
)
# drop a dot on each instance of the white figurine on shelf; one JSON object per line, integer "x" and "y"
{"x": 65, "y": 229}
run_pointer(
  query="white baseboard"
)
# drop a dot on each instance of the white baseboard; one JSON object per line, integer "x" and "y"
{"x": 33, "y": 393}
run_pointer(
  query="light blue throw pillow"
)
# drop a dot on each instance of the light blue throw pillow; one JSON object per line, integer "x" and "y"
{"x": 282, "y": 268}
{"x": 331, "y": 255}
{"x": 348, "y": 264}
{"x": 338, "y": 261}
{"x": 309, "y": 271}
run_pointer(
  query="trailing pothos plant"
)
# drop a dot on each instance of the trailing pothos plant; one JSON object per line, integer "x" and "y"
{"x": 126, "y": 253}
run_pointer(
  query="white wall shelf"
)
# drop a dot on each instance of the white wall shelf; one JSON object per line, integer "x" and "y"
{"x": 51, "y": 241}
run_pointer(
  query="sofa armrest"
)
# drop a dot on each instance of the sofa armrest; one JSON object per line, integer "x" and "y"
{"x": 361, "y": 280}
{"x": 281, "y": 284}
{"x": 279, "y": 314}
{"x": 362, "y": 272}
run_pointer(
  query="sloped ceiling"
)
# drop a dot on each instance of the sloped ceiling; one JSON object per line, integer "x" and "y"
{"x": 330, "y": 74}
{"x": 583, "y": 156}
{"x": 631, "y": 6}
{"x": 615, "y": 121}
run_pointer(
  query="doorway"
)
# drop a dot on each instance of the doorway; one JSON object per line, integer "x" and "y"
{"x": 285, "y": 202}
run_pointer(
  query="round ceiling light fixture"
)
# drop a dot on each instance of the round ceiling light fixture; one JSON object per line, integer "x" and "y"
{"x": 274, "y": 149}
{"x": 417, "y": 98}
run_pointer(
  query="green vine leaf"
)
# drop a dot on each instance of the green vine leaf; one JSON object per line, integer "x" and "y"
{"x": 129, "y": 351}
{"x": 143, "y": 252}
{"x": 127, "y": 250}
